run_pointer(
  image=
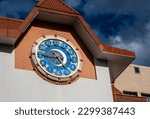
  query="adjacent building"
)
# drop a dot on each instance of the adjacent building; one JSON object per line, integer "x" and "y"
{"x": 133, "y": 84}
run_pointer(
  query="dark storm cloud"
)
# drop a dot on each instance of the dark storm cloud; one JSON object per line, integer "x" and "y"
{"x": 121, "y": 23}
{"x": 16, "y": 8}
{"x": 115, "y": 22}
{"x": 74, "y": 3}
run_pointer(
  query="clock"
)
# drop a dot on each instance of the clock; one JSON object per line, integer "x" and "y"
{"x": 56, "y": 58}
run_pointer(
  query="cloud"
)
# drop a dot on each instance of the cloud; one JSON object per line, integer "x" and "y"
{"x": 141, "y": 45}
{"x": 16, "y": 8}
{"x": 94, "y": 7}
{"x": 116, "y": 39}
{"x": 73, "y": 3}
{"x": 121, "y": 23}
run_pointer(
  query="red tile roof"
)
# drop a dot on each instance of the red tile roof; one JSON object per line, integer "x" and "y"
{"x": 57, "y": 5}
{"x": 107, "y": 48}
{"x": 9, "y": 27}
{"x": 7, "y": 23}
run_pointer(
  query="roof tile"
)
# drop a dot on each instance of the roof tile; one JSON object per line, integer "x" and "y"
{"x": 115, "y": 50}
{"x": 57, "y": 5}
{"x": 7, "y": 23}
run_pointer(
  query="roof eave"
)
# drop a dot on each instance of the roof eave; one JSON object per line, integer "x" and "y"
{"x": 9, "y": 36}
{"x": 118, "y": 59}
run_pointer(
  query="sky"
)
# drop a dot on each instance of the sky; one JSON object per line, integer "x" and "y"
{"x": 120, "y": 23}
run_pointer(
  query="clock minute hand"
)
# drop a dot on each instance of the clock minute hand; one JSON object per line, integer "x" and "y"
{"x": 62, "y": 62}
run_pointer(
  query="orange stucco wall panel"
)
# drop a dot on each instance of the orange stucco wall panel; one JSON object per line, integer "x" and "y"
{"x": 37, "y": 30}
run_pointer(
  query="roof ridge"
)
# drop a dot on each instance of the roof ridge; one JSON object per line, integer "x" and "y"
{"x": 39, "y": 4}
{"x": 140, "y": 66}
{"x": 68, "y": 6}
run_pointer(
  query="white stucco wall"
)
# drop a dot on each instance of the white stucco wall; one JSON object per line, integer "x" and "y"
{"x": 23, "y": 85}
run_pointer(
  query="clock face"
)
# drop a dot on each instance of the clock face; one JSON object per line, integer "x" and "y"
{"x": 56, "y": 58}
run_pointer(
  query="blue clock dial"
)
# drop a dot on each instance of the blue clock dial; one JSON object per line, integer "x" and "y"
{"x": 47, "y": 43}
{"x": 74, "y": 59}
{"x": 57, "y": 58}
{"x": 43, "y": 63}
{"x": 49, "y": 69}
{"x": 41, "y": 47}
{"x": 64, "y": 45}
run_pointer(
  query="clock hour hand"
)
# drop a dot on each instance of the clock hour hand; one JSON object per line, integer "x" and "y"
{"x": 46, "y": 55}
{"x": 58, "y": 57}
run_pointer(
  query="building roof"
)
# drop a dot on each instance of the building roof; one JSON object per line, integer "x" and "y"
{"x": 12, "y": 29}
{"x": 119, "y": 97}
{"x": 9, "y": 30}
{"x": 56, "y": 5}
{"x": 8, "y": 23}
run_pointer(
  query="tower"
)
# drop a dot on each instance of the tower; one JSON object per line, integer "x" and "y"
{"x": 53, "y": 55}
